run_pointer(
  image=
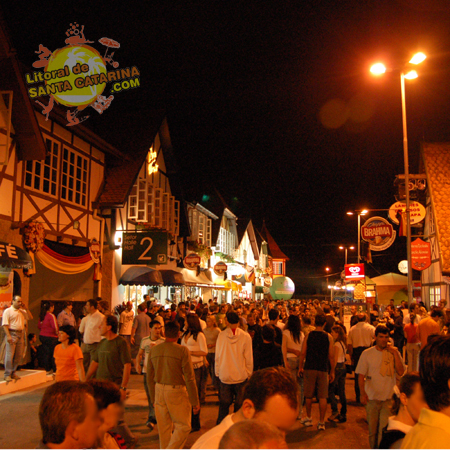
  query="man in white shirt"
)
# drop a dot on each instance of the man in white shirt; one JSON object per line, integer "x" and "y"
{"x": 269, "y": 396}
{"x": 234, "y": 364}
{"x": 377, "y": 369}
{"x": 360, "y": 338}
{"x": 91, "y": 327}
{"x": 146, "y": 344}
{"x": 13, "y": 325}
{"x": 126, "y": 323}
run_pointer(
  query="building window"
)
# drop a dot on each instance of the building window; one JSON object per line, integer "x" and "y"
{"x": 226, "y": 242}
{"x": 43, "y": 175}
{"x": 435, "y": 295}
{"x": 277, "y": 268}
{"x": 74, "y": 177}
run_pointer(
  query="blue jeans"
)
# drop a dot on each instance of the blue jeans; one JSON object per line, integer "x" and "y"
{"x": 227, "y": 394}
{"x": 339, "y": 382}
{"x": 211, "y": 358}
{"x": 48, "y": 345}
{"x": 14, "y": 352}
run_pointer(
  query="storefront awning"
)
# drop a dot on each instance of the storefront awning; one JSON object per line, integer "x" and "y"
{"x": 191, "y": 278}
{"x": 172, "y": 278}
{"x": 141, "y": 276}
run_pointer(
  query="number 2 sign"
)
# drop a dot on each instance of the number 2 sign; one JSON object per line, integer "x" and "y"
{"x": 146, "y": 248}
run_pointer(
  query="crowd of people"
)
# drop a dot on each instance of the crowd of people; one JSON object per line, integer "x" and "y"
{"x": 267, "y": 359}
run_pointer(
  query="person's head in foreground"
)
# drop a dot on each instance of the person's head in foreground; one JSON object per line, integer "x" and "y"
{"x": 110, "y": 407}
{"x": 253, "y": 434}
{"x": 434, "y": 368}
{"x": 408, "y": 400}
{"x": 271, "y": 395}
{"x": 68, "y": 415}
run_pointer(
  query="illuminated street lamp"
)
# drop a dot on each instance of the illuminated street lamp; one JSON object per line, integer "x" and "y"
{"x": 363, "y": 212}
{"x": 377, "y": 69}
{"x": 346, "y": 249}
{"x": 327, "y": 269}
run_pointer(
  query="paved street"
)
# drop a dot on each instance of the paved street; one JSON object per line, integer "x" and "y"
{"x": 20, "y": 412}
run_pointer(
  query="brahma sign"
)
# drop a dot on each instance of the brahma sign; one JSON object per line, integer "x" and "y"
{"x": 379, "y": 233}
{"x": 354, "y": 271}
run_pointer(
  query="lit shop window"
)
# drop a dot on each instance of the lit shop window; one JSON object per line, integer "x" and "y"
{"x": 200, "y": 227}
{"x": 226, "y": 242}
{"x": 43, "y": 175}
{"x": 74, "y": 177}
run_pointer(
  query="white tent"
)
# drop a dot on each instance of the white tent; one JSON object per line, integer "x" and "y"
{"x": 391, "y": 285}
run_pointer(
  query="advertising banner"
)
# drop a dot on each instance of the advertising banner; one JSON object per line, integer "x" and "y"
{"x": 379, "y": 233}
{"x": 420, "y": 254}
{"x": 147, "y": 248}
{"x": 354, "y": 271}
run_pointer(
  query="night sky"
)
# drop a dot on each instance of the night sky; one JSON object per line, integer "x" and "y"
{"x": 272, "y": 103}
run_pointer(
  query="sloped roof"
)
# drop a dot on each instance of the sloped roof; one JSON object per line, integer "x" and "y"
{"x": 274, "y": 250}
{"x": 436, "y": 158}
{"x": 27, "y": 132}
{"x": 244, "y": 225}
{"x": 391, "y": 279}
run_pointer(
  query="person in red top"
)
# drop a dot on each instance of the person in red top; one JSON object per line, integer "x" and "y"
{"x": 429, "y": 325}
{"x": 413, "y": 344}
{"x": 68, "y": 356}
{"x": 48, "y": 335}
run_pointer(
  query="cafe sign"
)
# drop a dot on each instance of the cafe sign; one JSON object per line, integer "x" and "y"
{"x": 417, "y": 212}
{"x": 191, "y": 261}
{"x": 379, "y": 233}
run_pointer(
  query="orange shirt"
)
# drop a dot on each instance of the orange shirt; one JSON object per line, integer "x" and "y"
{"x": 427, "y": 326}
{"x": 65, "y": 359}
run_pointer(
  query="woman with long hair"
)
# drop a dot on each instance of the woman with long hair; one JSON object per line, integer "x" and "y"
{"x": 211, "y": 333}
{"x": 291, "y": 348}
{"x": 68, "y": 356}
{"x": 340, "y": 349}
{"x": 194, "y": 339}
{"x": 48, "y": 335}
{"x": 407, "y": 402}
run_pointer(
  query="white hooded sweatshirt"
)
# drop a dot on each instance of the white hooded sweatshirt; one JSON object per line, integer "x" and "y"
{"x": 234, "y": 356}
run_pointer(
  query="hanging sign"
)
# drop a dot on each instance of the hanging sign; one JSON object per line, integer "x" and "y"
{"x": 420, "y": 254}
{"x": 146, "y": 248}
{"x": 417, "y": 212}
{"x": 191, "y": 261}
{"x": 249, "y": 274}
{"x": 354, "y": 271}
{"x": 379, "y": 233}
{"x": 220, "y": 268}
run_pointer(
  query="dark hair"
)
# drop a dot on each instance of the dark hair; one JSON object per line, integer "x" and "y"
{"x": 105, "y": 393}
{"x": 67, "y": 303}
{"x": 273, "y": 314}
{"x": 112, "y": 322}
{"x": 436, "y": 313}
{"x": 412, "y": 307}
{"x": 232, "y": 318}
{"x": 268, "y": 333}
{"x": 62, "y": 402}
{"x": 306, "y": 320}
{"x": 193, "y": 326}
{"x": 154, "y": 322}
{"x": 93, "y": 303}
{"x": 407, "y": 384}
{"x": 434, "y": 363}
{"x": 172, "y": 329}
{"x": 104, "y": 304}
{"x": 295, "y": 328}
{"x": 45, "y": 307}
{"x": 266, "y": 383}
{"x": 142, "y": 307}
{"x": 326, "y": 309}
{"x": 70, "y": 331}
{"x": 31, "y": 336}
{"x": 381, "y": 329}
{"x": 173, "y": 307}
{"x": 320, "y": 320}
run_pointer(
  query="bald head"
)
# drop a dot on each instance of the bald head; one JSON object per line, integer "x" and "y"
{"x": 253, "y": 433}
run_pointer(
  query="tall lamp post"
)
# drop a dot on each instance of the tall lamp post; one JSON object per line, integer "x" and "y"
{"x": 346, "y": 249}
{"x": 379, "y": 69}
{"x": 363, "y": 212}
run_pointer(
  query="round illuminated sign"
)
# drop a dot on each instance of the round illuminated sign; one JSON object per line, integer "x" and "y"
{"x": 403, "y": 266}
{"x": 191, "y": 261}
{"x": 282, "y": 288}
